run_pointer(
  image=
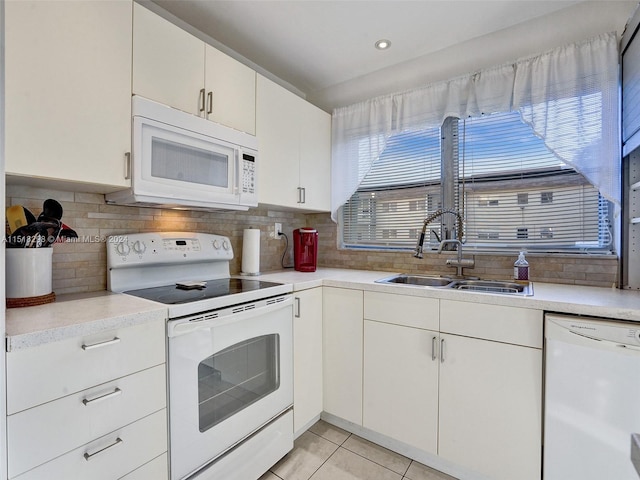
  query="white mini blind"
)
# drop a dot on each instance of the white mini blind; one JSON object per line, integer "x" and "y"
{"x": 400, "y": 189}
{"x": 513, "y": 192}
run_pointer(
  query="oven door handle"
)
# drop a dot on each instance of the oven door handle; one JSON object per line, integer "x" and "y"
{"x": 191, "y": 324}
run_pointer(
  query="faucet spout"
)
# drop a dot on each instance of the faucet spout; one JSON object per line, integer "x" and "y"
{"x": 431, "y": 218}
{"x": 459, "y": 262}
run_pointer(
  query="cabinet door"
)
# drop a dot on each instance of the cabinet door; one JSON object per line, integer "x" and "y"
{"x": 401, "y": 383}
{"x": 315, "y": 157}
{"x": 231, "y": 91}
{"x": 307, "y": 358}
{"x": 168, "y": 62}
{"x": 491, "y": 407}
{"x": 68, "y": 90}
{"x": 278, "y": 136}
{"x": 342, "y": 326}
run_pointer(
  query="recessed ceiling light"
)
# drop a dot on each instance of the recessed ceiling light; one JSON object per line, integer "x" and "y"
{"x": 383, "y": 44}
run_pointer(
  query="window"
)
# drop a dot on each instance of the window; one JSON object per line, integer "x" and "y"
{"x": 512, "y": 190}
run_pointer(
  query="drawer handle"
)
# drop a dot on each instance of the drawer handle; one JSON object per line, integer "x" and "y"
{"x": 101, "y": 344}
{"x": 88, "y": 456}
{"x": 98, "y": 399}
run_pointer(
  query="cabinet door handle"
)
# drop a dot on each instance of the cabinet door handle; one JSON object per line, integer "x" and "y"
{"x": 127, "y": 165}
{"x": 442, "y": 350}
{"x": 297, "y": 314}
{"x": 101, "y": 344}
{"x": 434, "y": 348}
{"x": 88, "y": 456}
{"x": 202, "y": 95}
{"x": 302, "y": 195}
{"x": 98, "y": 399}
{"x": 210, "y": 102}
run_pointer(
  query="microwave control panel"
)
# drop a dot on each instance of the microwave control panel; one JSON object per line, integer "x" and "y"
{"x": 248, "y": 174}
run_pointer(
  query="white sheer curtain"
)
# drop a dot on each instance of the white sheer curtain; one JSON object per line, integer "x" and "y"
{"x": 567, "y": 93}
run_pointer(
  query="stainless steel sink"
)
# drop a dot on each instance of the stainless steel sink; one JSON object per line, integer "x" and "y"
{"x": 418, "y": 280}
{"x": 474, "y": 285}
{"x": 493, "y": 286}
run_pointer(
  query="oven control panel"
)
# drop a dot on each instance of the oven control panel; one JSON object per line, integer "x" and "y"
{"x": 167, "y": 248}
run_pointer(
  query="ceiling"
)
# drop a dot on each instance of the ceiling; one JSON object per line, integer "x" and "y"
{"x": 324, "y": 49}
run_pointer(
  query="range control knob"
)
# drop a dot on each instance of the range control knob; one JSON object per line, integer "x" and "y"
{"x": 638, "y": 335}
{"x": 226, "y": 245}
{"x": 216, "y": 244}
{"x": 123, "y": 249}
{"x": 139, "y": 247}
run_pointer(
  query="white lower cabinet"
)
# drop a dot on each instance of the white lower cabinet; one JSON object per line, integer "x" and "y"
{"x": 490, "y": 407}
{"x": 467, "y": 388}
{"x": 401, "y": 384}
{"x": 156, "y": 469}
{"x": 491, "y": 389}
{"x": 342, "y": 325}
{"x": 110, "y": 457}
{"x": 307, "y": 358}
{"x": 89, "y": 407}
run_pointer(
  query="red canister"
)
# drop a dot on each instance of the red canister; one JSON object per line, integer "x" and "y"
{"x": 305, "y": 249}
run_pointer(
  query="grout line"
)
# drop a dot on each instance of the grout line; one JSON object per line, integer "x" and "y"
{"x": 374, "y": 462}
{"x": 332, "y": 454}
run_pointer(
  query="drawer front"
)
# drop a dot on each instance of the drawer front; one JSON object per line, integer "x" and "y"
{"x": 111, "y": 456}
{"x": 403, "y": 310}
{"x": 519, "y": 326}
{"x": 156, "y": 469}
{"x": 44, "y": 373}
{"x": 40, "y": 434}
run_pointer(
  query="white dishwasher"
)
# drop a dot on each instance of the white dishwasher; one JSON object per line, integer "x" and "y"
{"x": 592, "y": 398}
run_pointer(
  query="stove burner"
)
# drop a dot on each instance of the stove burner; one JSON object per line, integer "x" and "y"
{"x": 174, "y": 295}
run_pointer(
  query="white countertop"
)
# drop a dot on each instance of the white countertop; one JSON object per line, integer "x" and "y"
{"x": 78, "y": 315}
{"x": 595, "y": 301}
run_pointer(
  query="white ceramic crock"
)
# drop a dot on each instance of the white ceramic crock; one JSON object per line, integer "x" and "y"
{"x": 28, "y": 272}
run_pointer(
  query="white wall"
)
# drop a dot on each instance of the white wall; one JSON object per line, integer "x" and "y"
{"x": 3, "y": 406}
{"x": 579, "y": 22}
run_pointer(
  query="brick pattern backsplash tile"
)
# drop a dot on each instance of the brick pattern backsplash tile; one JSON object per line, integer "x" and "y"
{"x": 595, "y": 270}
{"x": 81, "y": 266}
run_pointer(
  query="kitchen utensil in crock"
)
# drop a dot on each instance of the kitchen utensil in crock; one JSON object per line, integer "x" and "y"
{"x": 51, "y": 209}
{"x": 16, "y": 217}
{"x": 35, "y": 235}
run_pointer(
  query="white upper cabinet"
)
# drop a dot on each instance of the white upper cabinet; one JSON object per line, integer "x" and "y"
{"x": 68, "y": 91}
{"x": 168, "y": 63}
{"x": 174, "y": 68}
{"x": 231, "y": 91}
{"x": 295, "y": 149}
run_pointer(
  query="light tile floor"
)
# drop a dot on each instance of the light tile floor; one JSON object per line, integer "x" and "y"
{"x": 325, "y": 452}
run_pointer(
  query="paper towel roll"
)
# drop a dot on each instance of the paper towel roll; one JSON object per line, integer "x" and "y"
{"x": 251, "y": 251}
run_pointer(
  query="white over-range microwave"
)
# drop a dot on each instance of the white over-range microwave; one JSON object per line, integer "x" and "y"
{"x": 179, "y": 160}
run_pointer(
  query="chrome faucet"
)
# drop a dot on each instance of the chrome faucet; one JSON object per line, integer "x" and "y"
{"x": 460, "y": 262}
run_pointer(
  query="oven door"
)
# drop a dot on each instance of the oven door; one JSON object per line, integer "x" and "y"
{"x": 228, "y": 377}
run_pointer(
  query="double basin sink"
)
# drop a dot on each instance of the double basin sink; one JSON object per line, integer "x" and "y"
{"x": 475, "y": 285}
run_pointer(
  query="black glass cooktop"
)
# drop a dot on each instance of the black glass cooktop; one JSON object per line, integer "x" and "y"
{"x": 174, "y": 294}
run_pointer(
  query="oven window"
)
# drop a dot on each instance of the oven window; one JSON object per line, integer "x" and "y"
{"x": 236, "y": 377}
